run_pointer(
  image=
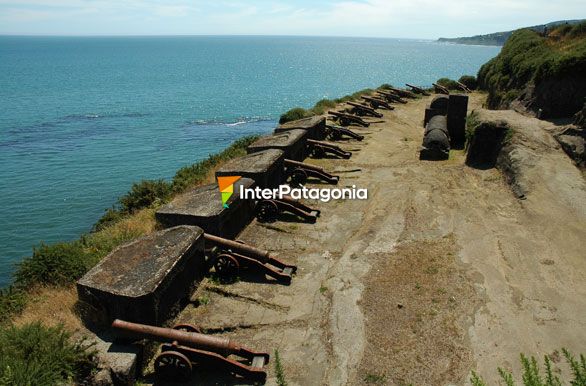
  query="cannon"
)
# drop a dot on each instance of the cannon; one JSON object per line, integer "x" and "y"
{"x": 463, "y": 87}
{"x": 318, "y": 149}
{"x": 298, "y": 172}
{"x": 377, "y": 103}
{"x": 389, "y": 96}
{"x": 417, "y": 90}
{"x": 439, "y": 89}
{"x": 347, "y": 119}
{"x": 403, "y": 93}
{"x": 436, "y": 140}
{"x": 184, "y": 348}
{"x": 337, "y": 132}
{"x": 229, "y": 257}
{"x": 362, "y": 110}
{"x": 269, "y": 210}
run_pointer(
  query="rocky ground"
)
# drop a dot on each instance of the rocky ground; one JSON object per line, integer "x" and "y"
{"x": 441, "y": 271}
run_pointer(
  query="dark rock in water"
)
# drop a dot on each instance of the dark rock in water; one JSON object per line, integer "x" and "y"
{"x": 203, "y": 207}
{"x": 486, "y": 144}
{"x": 315, "y": 127}
{"x": 292, "y": 142}
{"x": 264, "y": 167}
{"x": 144, "y": 281}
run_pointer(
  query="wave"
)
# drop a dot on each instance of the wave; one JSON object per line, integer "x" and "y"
{"x": 228, "y": 123}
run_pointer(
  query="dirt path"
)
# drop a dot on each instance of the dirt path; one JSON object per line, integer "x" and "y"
{"x": 442, "y": 270}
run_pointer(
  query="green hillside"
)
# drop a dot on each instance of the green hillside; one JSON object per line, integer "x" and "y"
{"x": 545, "y": 75}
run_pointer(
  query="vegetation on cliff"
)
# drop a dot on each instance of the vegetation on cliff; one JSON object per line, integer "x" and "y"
{"x": 499, "y": 38}
{"x": 543, "y": 74}
{"x": 61, "y": 264}
{"x": 322, "y": 106}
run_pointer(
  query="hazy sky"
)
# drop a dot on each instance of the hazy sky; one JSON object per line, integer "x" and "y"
{"x": 383, "y": 18}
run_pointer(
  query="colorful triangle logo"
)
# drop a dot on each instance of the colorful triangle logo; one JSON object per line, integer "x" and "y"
{"x": 226, "y": 185}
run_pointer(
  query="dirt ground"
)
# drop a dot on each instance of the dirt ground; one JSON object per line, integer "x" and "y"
{"x": 441, "y": 271}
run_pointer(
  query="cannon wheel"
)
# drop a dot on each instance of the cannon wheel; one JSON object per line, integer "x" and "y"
{"x": 267, "y": 211}
{"x": 335, "y": 135}
{"x": 173, "y": 366}
{"x": 227, "y": 266}
{"x": 298, "y": 177}
{"x": 344, "y": 121}
{"x": 186, "y": 327}
{"x": 317, "y": 152}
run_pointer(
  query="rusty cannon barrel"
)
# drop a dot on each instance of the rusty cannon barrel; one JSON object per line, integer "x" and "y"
{"x": 168, "y": 335}
{"x": 440, "y": 89}
{"x": 392, "y": 97}
{"x": 291, "y": 163}
{"x": 365, "y": 110}
{"x": 402, "y": 93}
{"x": 417, "y": 90}
{"x": 436, "y": 140}
{"x": 237, "y": 247}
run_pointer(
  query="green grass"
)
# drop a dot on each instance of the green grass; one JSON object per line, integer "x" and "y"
{"x": 469, "y": 81}
{"x": 279, "y": 371}
{"x": 63, "y": 263}
{"x": 38, "y": 355}
{"x": 448, "y": 83}
{"x": 534, "y": 375}
{"x": 528, "y": 57}
{"x": 323, "y": 106}
{"x": 375, "y": 379}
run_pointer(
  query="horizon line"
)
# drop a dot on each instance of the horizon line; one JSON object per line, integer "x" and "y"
{"x": 207, "y": 35}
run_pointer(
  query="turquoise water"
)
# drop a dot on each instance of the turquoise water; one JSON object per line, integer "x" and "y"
{"x": 83, "y": 118}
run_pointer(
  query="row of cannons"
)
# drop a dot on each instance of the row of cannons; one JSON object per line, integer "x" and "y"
{"x": 142, "y": 284}
{"x": 445, "y": 126}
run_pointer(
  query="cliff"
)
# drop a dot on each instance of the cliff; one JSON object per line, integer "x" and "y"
{"x": 540, "y": 75}
{"x": 499, "y": 38}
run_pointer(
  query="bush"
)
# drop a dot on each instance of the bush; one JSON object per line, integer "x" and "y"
{"x": 197, "y": 173}
{"x": 321, "y": 106}
{"x": 294, "y": 114}
{"x": 448, "y": 83}
{"x": 529, "y": 58}
{"x": 532, "y": 374}
{"x": 110, "y": 217}
{"x": 12, "y": 301}
{"x": 145, "y": 193}
{"x": 38, "y": 355}
{"x": 469, "y": 81}
{"x": 56, "y": 264}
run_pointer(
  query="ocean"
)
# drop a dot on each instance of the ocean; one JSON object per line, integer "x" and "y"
{"x": 82, "y": 118}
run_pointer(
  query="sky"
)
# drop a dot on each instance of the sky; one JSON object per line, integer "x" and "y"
{"x": 423, "y": 19}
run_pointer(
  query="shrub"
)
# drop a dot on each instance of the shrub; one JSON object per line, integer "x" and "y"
{"x": 144, "y": 194}
{"x": 56, "y": 264}
{"x": 469, "y": 81}
{"x": 448, "y": 83}
{"x": 111, "y": 216}
{"x": 38, "y": 355}
{"x": 321, "y": 106}
{"x": 532, "y": 375}
{"x": 527, "y": 58}
{"x": 294, "y": 114}
{"x": 197, "y": 173}
{"x": 12, "y": 301}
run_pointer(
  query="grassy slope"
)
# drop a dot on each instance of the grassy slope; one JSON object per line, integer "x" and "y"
{"x": 528, "y": 57}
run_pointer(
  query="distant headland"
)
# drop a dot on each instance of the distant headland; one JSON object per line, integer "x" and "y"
{"x": 499, "y": 38}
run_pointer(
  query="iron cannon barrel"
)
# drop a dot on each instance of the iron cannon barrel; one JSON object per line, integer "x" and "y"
{"x": 169, "y": 335}
{"x": 289, "y": 162}
{"x": 239, "y": 248}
